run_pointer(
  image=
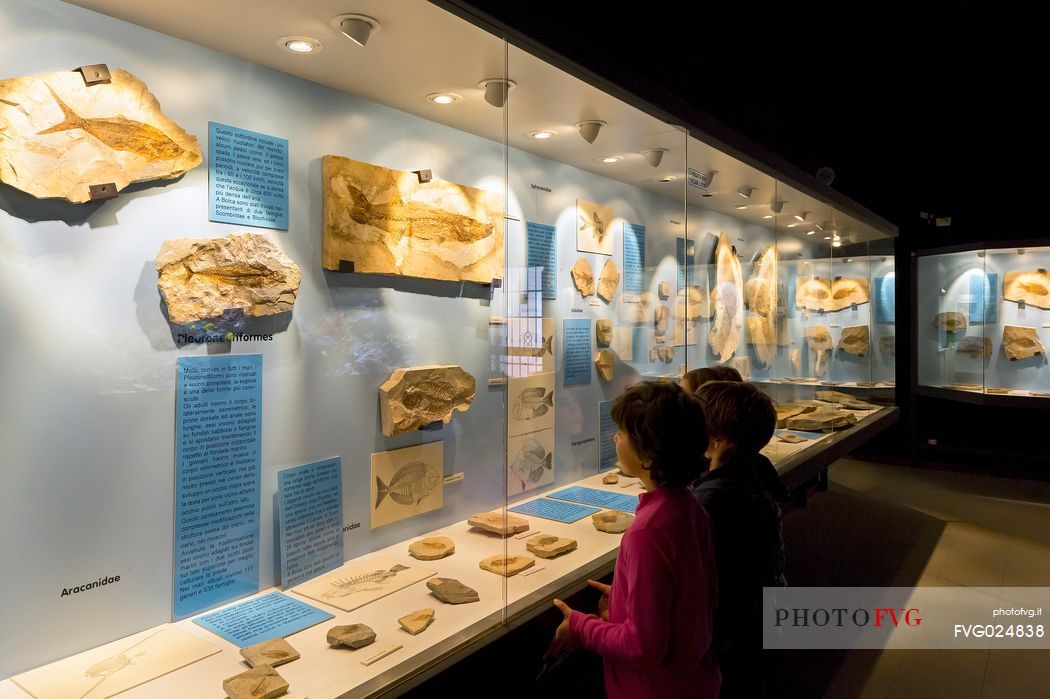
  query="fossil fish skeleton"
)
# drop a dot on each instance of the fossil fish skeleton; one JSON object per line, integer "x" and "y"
{"x": 369, "y": 582}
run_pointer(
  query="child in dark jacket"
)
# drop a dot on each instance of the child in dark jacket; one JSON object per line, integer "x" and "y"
{"x": 745, "y": 521}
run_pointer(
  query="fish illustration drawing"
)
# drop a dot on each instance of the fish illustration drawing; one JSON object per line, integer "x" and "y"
{"x": 369, "y": 582}
{"x": 595, "y": 224}
{"x": 413, "y": 219}
{"x": 546, "y": 348}
{"x": 533, "y": 402}
{"x": 410, "y": 485}
{"x": 530, "y": 463}
{"x": 117, "y": 133}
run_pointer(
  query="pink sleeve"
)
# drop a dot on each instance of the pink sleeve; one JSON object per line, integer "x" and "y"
{"x": 642, "y": 638}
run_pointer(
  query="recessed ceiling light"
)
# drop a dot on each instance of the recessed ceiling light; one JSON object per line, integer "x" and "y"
{"x": 768, "y": 216}
{"x": 300, "y": 44}
{"x": 611, "y": 159}
{"x": 667, "y": 178}
{"x": 836, "y": 243}
{"x": 443, "y": 97}
{"x": 802, "y": 216}
{"x": 741, "y": 207}
{"x": 849, "y": 259}
{"x": 792, "y": 225}
{"x": 542, "y": 135}
{"x": 827, "y": 237}
{"x": 810, "y": 232}
{"x": 745, "y": 191}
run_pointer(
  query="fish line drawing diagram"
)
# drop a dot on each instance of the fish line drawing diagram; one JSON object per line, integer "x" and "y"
{"x": 366, "y": 582}
{"x": 531, "y": 346}
{"x": 594, "y": 229}
{"x": 406, "y": 482}
{"x": 530, "y": 461}
{"x": 411, "y": 484}
{"x": 530, "y": 403}
{"x": 354, "y": 585}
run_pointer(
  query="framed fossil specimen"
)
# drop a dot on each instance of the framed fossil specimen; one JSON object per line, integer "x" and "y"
{"x": 406, "y": 482}
{"x": 594, "y": 227}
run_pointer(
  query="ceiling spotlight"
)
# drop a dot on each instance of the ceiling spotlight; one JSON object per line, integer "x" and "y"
{"x": 745, "y": 191}
{"x": 611, "y": 159}
{"x": 810, "y": 232}
{"x": 542, "y": 135}
{"x": 443, "y": 97}
{"x": 654, "y": 156}
{"x": 741, "y": 207}
{"x": 667, "y": 178}
{"x": 849, "y": 259}
{"x": 300, "y": 44}
{"x": 792, "y": 225}
{"x": 802, "y": 216}
{"x": 589, "y": 129}
{"x": 827, "y": 237}
{"x": 768, "y": 216}
{"x": 496, "y": 90}
{"x": 776, "y": 206}
{"x": 358, "y": 28}
{"x": 836, "y": 243}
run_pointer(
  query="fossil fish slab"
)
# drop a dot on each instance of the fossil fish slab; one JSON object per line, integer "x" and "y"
{"x": 351, "y": 635}
{"x": 663, "y": 290}
{"x": 583, "y": 277}
{"x": 829, "y": 295}
{"x": 761, "y": 334}
{"x": 950, "y": 321}
{"x": 417, "y": 622}
{"x": 499, "y": 523}
{"x": 58, "y": 136}
{"x": 608, "y": 280}
{"x": 274, "y": 652}
{"x": 855, "y": 340}
{"x": 888, "y": 345}
{"x": 818, "y": 338}
{"x": 822, "y": 419}
{"x": 261, "y": 682}
{"x": 594, "y": 231}
{"x": 760, "y": 291}
{"x": 201, "y": 278}
{"x": 611, "y": 478}
{"x": 612, "y": 521}
{"x": 790, "y": 438}
{"x": 603, "y": 360}
{"x": 1020, "y": 342}
{"x": 383, "y": 221}
{"x": 789, "y": 410}
{"x": 432, "y": 548}
{"x": 452, "y": 591}
{"x": 418, "y": 396}
{"x": 547, "y": 546}
{"x": 603, "y": 331}
{"x": 1031, "y": 287}
{"x": 974, "y": 346}
{"x": 729, "y": 303}
{"x": 507, "y": 566}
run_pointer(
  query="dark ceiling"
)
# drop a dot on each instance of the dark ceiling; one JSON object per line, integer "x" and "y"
{"x": 936, "y": 115}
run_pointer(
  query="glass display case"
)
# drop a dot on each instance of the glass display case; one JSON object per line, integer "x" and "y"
{"x": 981, "y": 321}
{"x": 303, "y": 334}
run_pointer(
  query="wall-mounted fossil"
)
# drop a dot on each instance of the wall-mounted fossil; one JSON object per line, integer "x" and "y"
{"x": 728, "y": 302}
{"x": 608, "y": 280}
{"x": 418, "y": 396}
{"x": 603, "y": 360}
{"x": 603, "y": 331}
{"x": 1031, "y": 287}
{"x": 818, "y": 338}
{"x": 974, "y": 346}
{"x": 829, "y": 295}
{"x": 583, "y": 277}
{"x": 1020, "y": 342}
{"x": 950, "y": 321}
{"x": 855, "y": 340}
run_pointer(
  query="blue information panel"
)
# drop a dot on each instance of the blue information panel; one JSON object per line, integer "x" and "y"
{"x": 541, "y": 251}
{"x": 556, "y": 510}
{"x": 983, "y": 290}
{"x": 633, "y": 257}
{"x": 598, "y": 498}
{"x": 218, "y": 450}
{"x": 274, "y": 615}
{"x": 885, "y": 299}
{"x": 247, "y": 177}
{"x": 576, "y": 334}
{"x": 311, "y": 520}
{"x": 685, "y": 252}
{"x": 606, "y": 431}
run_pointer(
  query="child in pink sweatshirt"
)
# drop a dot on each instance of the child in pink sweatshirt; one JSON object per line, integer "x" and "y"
{"x": 655, "y": 623}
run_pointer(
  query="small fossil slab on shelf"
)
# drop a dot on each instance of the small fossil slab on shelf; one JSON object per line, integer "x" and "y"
{"x": 452, "y": 591}
{"x": 854, "y": 340}
{"x": 499, "y": 523}
{"x": 612, "y": 521}
{"x": 547, "y": 546}
{"x": 964, "y": 386}
{"x": 790, "y": 438}
{"x": 1020, "y": 342}
{"x": 974, "y": 346}
{"x": 260, "y": 682}
{"x": 608, "y": 280}
{"x": 417, "y": 622}
{"x": 603, "y": 359}
{"x": 950, "y": 321}
{"x": 583, "y": 277}
{"x": 432, "y": 548}
{"x": 603, "y": 331}
{"x": 611, "y": 478}
{"x": 418, "y": 396}
{"x": 351, "y": 635}
{"x": 506, "y": 566}
{"x": 998, "y": 391}
{"x": 822, "y": 420}
{"x": 274, "y": 652}
{"x": 789, "y": 410}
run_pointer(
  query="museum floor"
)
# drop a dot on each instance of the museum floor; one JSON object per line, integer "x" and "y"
{"x": 878, "y": 525}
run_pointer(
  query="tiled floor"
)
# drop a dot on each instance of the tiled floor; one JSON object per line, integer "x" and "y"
{"x": 929, "y": 528}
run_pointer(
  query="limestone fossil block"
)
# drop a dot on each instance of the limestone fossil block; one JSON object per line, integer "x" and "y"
{"x": 452, "y": 591}
{"x": 964, "y": 386}
{"x": 950, "y": 321}
{"x": 418, "y": 396}
{"x": 1031, "y": 287}
{"x": 691, "y": 305}
{"x": 760, "y": 291}
{"x": 762, "y": 336}
{"x": 661, "y": 318}
{"x": 418, "y": 621}
{"x": 855, "y": 340}
{"x": 663, "y": 289}
{"x": 1020, "y": 342}
{"x": 499, "y": 523}
{"x": 665, "y": 354}
{"x": 888, "y": 345}
{"x": 583, "y": 277}
{"x": 833, "y": 396}
{"x": 814, "y": 294}
{"x": 822, "y": 419}
{"x": 818, "y": 337}
{"x": 260, "y": 682}
{"x": 274, "y": 652}
{"x": 507, "y": 566}
{"x": 789, "y": 410}
{"x": 829, "y": 295}
{"x": 594, "y": 232}
{"x": 975, "y": 346}
{"x": 383, "y": 221}
{"x": 351, "y": 635}
{"x": 612, "y": 521}
{"x": 547, "y": 546}
{"x": 608, "y": 280}
{"x": 432, "y": 548}
{"x": 603, "y": 360}
{"x": 200, "y": 278}
{"x": 603, "y": 331}
{"x": 998, "y": 391}
{"x": 58, "y": 136}
{"x": 611, "y": 478}
{"x": 790, "y": 438}
{"x": 796, "y": 359}
{"x": 728, "y": 302}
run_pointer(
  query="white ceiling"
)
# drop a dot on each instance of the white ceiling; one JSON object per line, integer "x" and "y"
{"x": 422, "y": 49}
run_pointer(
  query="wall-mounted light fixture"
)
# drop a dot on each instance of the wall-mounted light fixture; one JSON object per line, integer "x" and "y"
{"x": 801, "y": 217}
{"x": 654, "y": 156}
{"x": 496, "y": 90}
{"x": 589, "y": 129}
{"x": 357, "y": 27}
{"x": 745, "y": 191}
{"x": 776, "y": 206}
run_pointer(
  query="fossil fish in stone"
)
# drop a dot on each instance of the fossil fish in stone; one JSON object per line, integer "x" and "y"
{"x": 105, "y": 668}
{"x": 117, "y": 133}
{"x": 1031, "y": 287}
{"x": 533, "y": 402}
{"x": 414, "y": 220}
{"x": 530, "y": 463}
{"x": 369, "y": 582}
{"x": 418, "y": 396}
{"x": 410, "y": 485}
{"x": 950, "y": 321}
{"x": 725, "y": 332}
{"x": 592, "y": 221}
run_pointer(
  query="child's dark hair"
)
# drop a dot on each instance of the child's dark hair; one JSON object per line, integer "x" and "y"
{"x": 666, "y": 427}
{"x": 698, "y": 377}
{"x": 740, "y": 414}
